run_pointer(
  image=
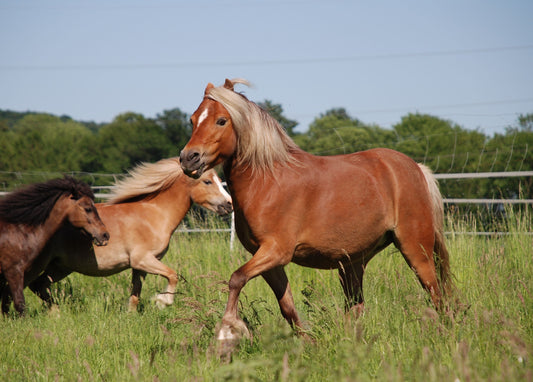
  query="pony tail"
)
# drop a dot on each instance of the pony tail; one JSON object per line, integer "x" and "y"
{"x": 442, "y": 256}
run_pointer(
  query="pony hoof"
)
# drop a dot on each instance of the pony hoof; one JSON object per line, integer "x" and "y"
{"x": 228, "y": 338}
{"x": 162, "y": 301}
{"x": 357, "y": 310}
{"x": 133, "y": 303}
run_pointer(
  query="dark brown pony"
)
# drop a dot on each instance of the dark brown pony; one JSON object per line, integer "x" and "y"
{"x": 323, "y": 212}
{"x": 29, "y": 217}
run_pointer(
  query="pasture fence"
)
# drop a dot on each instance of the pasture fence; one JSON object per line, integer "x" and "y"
{"x": 447, "y": 201}
{"x": 102, "y": 193}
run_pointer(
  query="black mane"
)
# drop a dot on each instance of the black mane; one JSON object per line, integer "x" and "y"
{"x": 32, "y": 204}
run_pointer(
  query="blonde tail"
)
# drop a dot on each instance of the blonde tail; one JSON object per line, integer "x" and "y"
{"x": 442, "y": 257}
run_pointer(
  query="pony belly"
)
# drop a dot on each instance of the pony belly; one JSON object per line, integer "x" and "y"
{"x": 322, "y": 258}
{"x": 332, "y": 257}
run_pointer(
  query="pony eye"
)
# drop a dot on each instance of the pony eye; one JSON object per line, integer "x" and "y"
{"x": 208, "y": 182}
{"x": 221, "y": 121}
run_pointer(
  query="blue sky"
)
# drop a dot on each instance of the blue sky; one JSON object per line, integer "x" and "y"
{"x": 470, "y": 62}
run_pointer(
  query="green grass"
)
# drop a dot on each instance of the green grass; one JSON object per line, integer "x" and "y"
{"x": 92, "y": 337}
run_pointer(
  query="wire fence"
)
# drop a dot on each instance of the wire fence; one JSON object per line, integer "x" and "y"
{"x": 102, "y": 193}
{"x": 449, "y": 201}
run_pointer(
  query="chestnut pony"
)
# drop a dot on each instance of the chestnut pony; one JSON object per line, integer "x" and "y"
{"x": 29, "y": 217}
{"x": 144, "y": 210}
{"x": 332, "y": 212}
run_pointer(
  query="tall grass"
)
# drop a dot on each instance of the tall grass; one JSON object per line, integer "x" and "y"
{"x": 90, "y": 336}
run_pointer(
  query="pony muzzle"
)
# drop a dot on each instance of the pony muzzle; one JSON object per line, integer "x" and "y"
{"x": 101, "y": 240}
{"x": 224, "y": 208}
{"x": 192, "y": 164}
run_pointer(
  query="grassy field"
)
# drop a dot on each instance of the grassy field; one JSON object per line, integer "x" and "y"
{"x": 92, "y": 337}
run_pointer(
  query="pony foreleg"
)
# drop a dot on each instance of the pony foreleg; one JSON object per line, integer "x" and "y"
{"x": 150, "y": 264}
{"x": 41, "y": 285}
{"x": 232, "y": 328}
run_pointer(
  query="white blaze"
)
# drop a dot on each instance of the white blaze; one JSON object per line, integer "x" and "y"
{"x": 202, "y": 116}
{"x": 221, "y": 189}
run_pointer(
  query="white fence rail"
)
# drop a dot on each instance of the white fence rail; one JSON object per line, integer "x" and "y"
{"x": 484, "y": 175}
{"x": 477, "y": 175}
{"x": 487, "y": 201}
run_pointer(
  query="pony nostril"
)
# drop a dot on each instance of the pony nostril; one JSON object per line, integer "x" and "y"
{"x": 229, "y": 206}
{"x": 193, "y": 156}
{"x": 189, "y": 156}
{"x": 106, "y": 236}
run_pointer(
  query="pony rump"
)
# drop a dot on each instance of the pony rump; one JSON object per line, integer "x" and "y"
{"x": 32, "y": 205}
{"x": 261, "y": 140}
{"x": 146, "y": 180}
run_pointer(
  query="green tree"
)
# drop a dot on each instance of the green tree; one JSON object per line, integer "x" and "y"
{"x": 512, "y": 151}
{"x": 276, "y": 111}
{"x": 43, "y": 142}
{"x": 176, "y": 127}
{"x": 335, "y": 132}
{"x": 525, "y": 122}
{"x": 8, "y": 155}
{"x": 129, "y": 140}
{"x": 442, "y": 145}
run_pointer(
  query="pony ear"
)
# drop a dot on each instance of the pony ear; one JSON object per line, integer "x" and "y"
{"x": 208, "y": 87}
{"x": 228, "y": 84}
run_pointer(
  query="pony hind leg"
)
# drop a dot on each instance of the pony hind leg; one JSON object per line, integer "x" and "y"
{"x": 417, "y": 250}
{"x": 137, "y": 278}
{"x": 351, "y": 278}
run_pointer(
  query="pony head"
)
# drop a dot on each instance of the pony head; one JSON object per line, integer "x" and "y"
{"x": 227, "y": 125}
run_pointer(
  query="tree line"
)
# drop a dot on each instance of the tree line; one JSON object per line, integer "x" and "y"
{"x": 35, "y": 146}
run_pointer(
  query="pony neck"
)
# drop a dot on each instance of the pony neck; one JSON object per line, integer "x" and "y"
{"x": 235, "y": 170}
{"x": 55, "y": 219}
{"x": 174, "y": 202}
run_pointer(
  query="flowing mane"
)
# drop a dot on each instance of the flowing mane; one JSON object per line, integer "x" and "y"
{"x": 145, "y": 180}
{"x": 261, "y": 140}
{"x": 32, "y": 204}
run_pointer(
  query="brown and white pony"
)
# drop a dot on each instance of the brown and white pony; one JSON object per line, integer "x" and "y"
{"x": 332, "y": 212}
{"x": 143, "y": 212}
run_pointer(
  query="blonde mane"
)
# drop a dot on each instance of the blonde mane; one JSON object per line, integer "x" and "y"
{"x": 261, "y": 140}
{"x": 146, "y": 179}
